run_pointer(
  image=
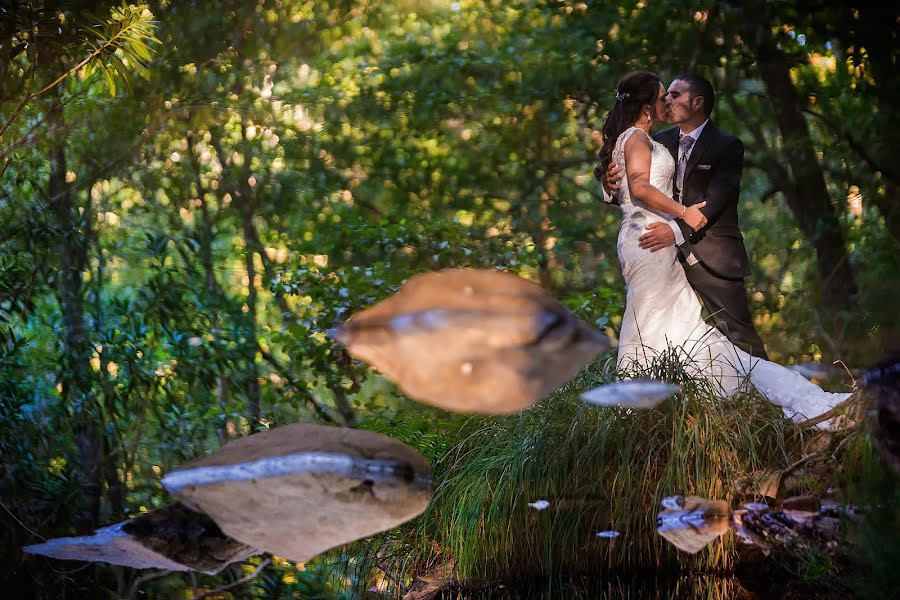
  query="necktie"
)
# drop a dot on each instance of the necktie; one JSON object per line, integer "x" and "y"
{"x": 685, "y": 143}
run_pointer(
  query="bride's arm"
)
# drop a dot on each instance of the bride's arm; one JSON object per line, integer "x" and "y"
{"x": 638, "y": 156}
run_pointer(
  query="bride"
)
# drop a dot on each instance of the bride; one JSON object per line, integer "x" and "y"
{"x": 662, "y": 310}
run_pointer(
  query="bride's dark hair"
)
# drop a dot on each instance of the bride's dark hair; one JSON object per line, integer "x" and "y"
{"x": 634, "y": 91}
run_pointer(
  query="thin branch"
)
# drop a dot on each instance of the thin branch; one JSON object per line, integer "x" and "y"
{"x": 887, "y": 170}
{"x": 320, "y": 410}
{"x": 139, "y": 581}
{"x": 397, "y": 579}
{"x": 774, "y": 169}
{"x": 359, "y": 200}
{"x": 25, "y": 527}
{"x": 793, "y": 467}
{"x": 344, "y": 406}
{"x": 819, "y": 454}
{"x": 837, "y": 410}
{"x": 245, "y": 579}
{"x": 28, "y": 137}
{"x": 849, "y": 372}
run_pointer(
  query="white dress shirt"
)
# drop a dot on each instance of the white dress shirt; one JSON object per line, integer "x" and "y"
{"x": 679, "y": 236}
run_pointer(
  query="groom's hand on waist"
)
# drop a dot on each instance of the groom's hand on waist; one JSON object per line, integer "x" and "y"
{"x": 612, "y": 177}
{"x": 659, "y": 235}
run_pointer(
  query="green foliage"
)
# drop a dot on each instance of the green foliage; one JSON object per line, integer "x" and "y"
{"x": 39, "y": 36}
{"x": 279, "y": 165}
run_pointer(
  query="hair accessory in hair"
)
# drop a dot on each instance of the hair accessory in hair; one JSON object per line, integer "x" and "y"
{"x": 622, "y": 96}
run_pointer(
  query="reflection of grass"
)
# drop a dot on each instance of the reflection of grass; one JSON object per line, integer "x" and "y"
{"x": 810, "y": 564}
{"x": 600, "y": 468}
{"x": 625, "y": 586}
{"x": 876, "y": 536}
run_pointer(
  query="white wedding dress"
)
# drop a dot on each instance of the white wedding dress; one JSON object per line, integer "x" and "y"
{"x": 662, "y": 311}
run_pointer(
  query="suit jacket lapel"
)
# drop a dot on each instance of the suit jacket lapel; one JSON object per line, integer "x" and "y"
{"x": 700, "y": 148}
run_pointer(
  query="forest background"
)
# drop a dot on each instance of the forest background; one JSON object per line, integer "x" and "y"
{"x": 193, "y": 192}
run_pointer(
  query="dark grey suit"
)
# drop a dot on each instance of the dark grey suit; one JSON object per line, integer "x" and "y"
{"x": 713, "y": 173}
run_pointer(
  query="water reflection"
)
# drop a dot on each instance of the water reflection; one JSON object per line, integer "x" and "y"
{"x": 539, "y": 505}
{"x": 640, "y": 394}
{"x": 692, "y": 523}
{"x": 608, "y": 534}
{"x": 609, "y": 587}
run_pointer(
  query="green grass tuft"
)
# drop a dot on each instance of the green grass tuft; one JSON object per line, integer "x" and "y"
{"x": 600, "y": 468}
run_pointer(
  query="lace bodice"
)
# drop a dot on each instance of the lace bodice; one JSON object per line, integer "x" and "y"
{"x": 662, "y": 171}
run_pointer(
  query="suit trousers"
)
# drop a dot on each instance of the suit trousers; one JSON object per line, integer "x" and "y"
{"x": 727, "y": 303}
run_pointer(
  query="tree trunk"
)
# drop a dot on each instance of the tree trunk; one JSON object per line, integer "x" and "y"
{"x": 252, "y": 247}
{"x": 111, "y": 440}
{"x": 252, "y": 376}
{"x": 542, "y": 228}
{"x": 244, "y": 201}
{"x": 808, "y": 197}
{"x": 214, "y": 291}
{"x": 75, "y": 378}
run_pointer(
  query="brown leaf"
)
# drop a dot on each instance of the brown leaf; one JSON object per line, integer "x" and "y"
{"x": 300, "y": 489}
{"x": 173, "y": 538}
{"x": 472, "y": 341}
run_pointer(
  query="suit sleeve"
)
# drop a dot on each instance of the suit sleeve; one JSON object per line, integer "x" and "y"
{"x": 609, "y": 198}
{"x": 725, "y": 182}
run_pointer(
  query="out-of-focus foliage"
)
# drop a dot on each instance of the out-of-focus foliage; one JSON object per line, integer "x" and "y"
{"x": 173, "y": 251}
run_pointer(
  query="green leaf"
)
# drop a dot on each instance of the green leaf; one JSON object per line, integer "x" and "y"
{"x": 140, "y": 49}
{"x": 110, "y": 78}
{"x": 138, "y": 66}
{"x": 121, "y": 69}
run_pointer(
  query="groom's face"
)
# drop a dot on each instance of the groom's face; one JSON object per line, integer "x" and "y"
{"x": 681, "y": 105}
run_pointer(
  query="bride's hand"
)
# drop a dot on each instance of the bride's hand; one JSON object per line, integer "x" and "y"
{"x": 693, "y": 217}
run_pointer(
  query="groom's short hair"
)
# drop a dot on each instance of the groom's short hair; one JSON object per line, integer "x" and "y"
{"x": 700, "y": 86}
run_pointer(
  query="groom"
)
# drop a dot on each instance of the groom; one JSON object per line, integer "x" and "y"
{"x": 708, "y": 168}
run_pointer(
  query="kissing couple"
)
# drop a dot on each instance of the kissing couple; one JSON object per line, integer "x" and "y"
{"x": 680, "y": 239}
